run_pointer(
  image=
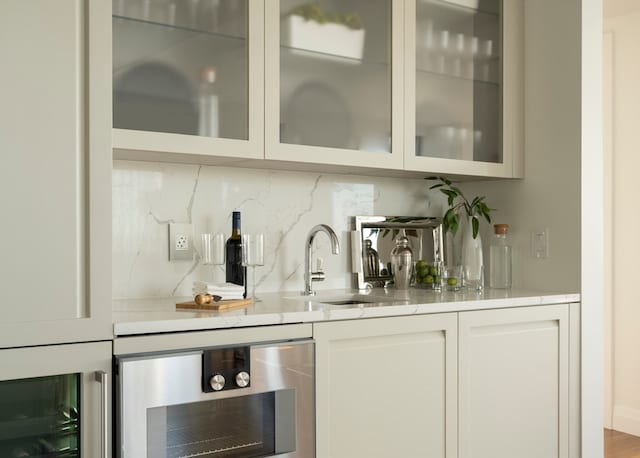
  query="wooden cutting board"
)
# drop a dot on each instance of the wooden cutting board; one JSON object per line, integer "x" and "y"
{"x": 220, "y": 305}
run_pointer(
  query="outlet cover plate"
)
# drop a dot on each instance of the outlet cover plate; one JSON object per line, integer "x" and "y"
{"x": 180, "y": 242}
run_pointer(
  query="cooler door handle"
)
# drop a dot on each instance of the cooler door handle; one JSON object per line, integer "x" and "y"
{"x": 101, "y": 377}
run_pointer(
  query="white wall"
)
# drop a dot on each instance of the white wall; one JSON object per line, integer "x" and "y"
{"x": 624, "y": 32}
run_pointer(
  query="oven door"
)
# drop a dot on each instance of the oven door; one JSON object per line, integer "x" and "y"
{"x": 163, "y": 411}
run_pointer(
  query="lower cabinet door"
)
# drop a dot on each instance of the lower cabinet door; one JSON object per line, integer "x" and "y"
{"x": 387, "y": 387}
{"x": 55, "y": 401}
{"x": 514, "y": 383}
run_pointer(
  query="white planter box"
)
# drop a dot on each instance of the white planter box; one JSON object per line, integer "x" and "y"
{"x": 328, "y": 38}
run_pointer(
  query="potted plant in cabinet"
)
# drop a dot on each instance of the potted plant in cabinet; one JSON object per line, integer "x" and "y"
{"x": 308, "y": 27}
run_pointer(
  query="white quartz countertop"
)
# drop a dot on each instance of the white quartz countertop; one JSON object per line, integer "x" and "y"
{"x": 158, "y": 315}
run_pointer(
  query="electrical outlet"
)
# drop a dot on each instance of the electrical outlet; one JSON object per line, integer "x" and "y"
{"x": 180, "y": 242}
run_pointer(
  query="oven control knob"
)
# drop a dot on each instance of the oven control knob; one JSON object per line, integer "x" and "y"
{"x": 242, "y": 379}
{"x": 217, "y": 382}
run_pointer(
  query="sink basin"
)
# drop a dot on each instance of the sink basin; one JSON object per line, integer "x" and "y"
{"x": 348, "y": 300}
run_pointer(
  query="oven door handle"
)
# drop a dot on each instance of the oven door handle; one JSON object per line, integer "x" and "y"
{"x": 101, "y": 377}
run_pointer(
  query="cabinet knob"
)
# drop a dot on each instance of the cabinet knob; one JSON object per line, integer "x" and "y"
{"x": 217, "y": 382}
{"x": 242, "y": 379}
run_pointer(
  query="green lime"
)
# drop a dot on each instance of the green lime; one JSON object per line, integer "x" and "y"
{"x": 433, "y": 270}
{"x": 452, "y": 281}
{"x": 420, "y": 264}
{"x": 438, "y": 278}
{"x": 428, "y": 279}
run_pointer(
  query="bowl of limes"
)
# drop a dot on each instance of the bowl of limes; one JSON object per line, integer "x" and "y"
{"x": 428, "y": 275}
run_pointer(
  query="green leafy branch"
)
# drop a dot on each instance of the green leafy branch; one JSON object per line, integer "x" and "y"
{"x": 313, "y": 12}
{"x": 458, "y": 202}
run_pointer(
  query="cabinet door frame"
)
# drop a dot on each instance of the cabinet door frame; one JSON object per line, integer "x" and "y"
{"x": 512, "y": 102}
{"x": 274, "y": 150}
{"x": 132, "y": 144}
{"x": 91, "y": 361}
{"x": 93, "y": 167}
{"x": 567, "y": 324}
{"x": 326, "y": 332}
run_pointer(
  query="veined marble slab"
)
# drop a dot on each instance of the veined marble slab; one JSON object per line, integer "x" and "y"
{"x": 147, "y": 316}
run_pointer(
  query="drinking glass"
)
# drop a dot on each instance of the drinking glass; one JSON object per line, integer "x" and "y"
{"x": 452, "y": 278}
{"x": 252, "y": 256}
{"x": 212, "y": 249}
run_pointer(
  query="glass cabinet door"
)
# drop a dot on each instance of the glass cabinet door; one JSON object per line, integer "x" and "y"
{"x": 55, "y": 401}
{"x": 188, "y": 68}
{"x": 40, "y": 416}
{"x": 458, "y": 87}
{"x": 331, "y": 81}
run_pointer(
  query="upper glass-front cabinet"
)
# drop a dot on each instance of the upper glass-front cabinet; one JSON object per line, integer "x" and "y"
{"x": 187, "y": 76}
{"x": 333, "y": 79}
{"x": 462, "y": 92}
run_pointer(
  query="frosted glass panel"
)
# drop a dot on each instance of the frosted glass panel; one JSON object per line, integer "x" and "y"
{"x": 335, "y": 74}
{"x": 181, "y": 67}
{"x": 458, "y": 79}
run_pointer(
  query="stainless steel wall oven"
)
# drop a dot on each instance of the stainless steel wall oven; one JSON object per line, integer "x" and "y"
{"x": 239, "y": 401}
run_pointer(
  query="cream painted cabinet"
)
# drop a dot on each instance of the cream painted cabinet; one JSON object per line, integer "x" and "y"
{"x": 518, "y": 383}
{"x": 55, "y": 179}
{"x": 188, "y": 80}
{"x": 464, "y": 91}
{"x": 387, "y": 387}
{"x": 333, "y": 79}
{"x": 56, "y": 401}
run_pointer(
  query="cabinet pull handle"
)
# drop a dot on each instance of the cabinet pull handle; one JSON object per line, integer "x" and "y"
{"x": 101, "y": 377}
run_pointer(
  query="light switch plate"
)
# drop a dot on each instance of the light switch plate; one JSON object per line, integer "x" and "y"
{"x": 540, "y": 243}
{"x": 180, "y": 242}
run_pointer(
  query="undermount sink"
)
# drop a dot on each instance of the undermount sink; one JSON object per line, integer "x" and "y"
{"x": 347, "y": 300}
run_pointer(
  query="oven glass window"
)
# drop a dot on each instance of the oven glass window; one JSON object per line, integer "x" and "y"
{"x": 39, "y": 417}
{"x": 243, "y": 426}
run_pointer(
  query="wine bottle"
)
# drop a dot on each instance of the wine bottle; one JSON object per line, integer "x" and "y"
{"x": 233, "y": 250}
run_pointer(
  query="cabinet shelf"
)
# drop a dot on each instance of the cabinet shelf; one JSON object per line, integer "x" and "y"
{"x": 454, "y": 78}
{"x": 466, "y": 6}
{"x": 326, "y": 58}
{"x": 176, "y": 28}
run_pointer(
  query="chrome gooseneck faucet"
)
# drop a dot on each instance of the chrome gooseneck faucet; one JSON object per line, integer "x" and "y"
{"x": 309, "y": 275}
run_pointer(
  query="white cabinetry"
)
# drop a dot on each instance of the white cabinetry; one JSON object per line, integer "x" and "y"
{"x": 55, "y": 179}
{"x": 387, "y": 387}
{"x": 188, "y": 80}
{"x": 517, "y": 383}
{"x": 324, "y": 106}
{"x": 499, "y": 383}
{"x": 380, "y": 86}
{"x": 464, "y": 80}
{"x": 56, "y": 398}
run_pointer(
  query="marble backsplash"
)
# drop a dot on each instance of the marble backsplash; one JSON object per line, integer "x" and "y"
{"x": 283, "y": 205}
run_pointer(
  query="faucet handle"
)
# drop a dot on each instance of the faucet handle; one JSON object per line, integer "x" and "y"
{"x": 320, "y": 264}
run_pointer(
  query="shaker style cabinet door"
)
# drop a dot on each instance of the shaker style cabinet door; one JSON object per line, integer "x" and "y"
{"x": 188, "y": 80}
{"x": 387, "y": 387}
{"x": 55, "y": 401}
{"x": 333, "y": 79}
{"x": 464, "y": 87}
{"x": 55, "y": 179}
{"x": 515, "y": 378}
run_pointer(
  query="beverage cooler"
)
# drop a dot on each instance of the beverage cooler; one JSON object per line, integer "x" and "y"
{"x": 54, "y": 401}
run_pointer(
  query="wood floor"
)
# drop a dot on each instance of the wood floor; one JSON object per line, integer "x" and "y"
{"x": 620, "y": 445}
